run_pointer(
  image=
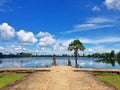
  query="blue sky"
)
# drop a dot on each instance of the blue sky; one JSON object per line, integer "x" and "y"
{"x": 48, "y": 26}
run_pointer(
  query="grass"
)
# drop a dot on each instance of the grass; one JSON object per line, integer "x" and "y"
{"x": 112, "y": 79}
{"x": 9, "y": 78}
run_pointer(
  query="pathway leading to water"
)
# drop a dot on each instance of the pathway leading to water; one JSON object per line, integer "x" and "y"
{"x": 60, "y": 78}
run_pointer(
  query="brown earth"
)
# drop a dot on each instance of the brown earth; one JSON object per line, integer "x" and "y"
{"x": 60, "y": 78}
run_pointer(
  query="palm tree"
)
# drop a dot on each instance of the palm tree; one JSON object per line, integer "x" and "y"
{"x": 76, "y": 45}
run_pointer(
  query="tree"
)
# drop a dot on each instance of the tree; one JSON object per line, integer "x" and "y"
{"x": 112, "y": 54}
{"x": 76, "y": 45}
{"x": 1, "y": 54}
{"x": 118, "y": 55}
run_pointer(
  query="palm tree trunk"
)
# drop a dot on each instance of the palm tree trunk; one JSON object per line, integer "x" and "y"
{"x": 76, "y": 52}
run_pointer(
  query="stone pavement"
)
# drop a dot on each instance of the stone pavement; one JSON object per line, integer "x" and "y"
{"x": 60, "y": 78}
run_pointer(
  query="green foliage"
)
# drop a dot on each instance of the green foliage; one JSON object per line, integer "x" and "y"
{"x": 111, "y": 79}
{"x": 107, "y": 55}
{"x": 9, "y": 78}
{"x": 118, "y": 55}
{"x": 15, "y": 55}
{"x": 76, "y": 45}
{"x": 25, "y": 54}
{"x": 112, "y": 54}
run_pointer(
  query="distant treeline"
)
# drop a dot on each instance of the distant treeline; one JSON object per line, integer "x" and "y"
{"x": 108, "y": 55}
{"x": 15, "y": 55}
{"x": 28, "y": 55}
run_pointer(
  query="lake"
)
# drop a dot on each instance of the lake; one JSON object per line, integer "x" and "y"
{"x": 34, "y": 62}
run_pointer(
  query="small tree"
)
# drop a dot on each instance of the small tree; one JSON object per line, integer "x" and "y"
{"x": 76, "y": 45}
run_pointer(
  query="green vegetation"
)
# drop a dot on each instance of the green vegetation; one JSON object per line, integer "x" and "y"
{"x": 112, "y": 79}
{"x": 76, "y": 45}
{"x": 15, "y": 55}
{"x": 108, "y": 58}
{"x": 107, "y": 55}
{"x": 9, "y": 78}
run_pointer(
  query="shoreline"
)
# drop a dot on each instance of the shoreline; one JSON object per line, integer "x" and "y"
{"x": 30, "y": 70}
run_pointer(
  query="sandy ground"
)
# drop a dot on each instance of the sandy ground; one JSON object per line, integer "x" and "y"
{"x": 60, "y": 78}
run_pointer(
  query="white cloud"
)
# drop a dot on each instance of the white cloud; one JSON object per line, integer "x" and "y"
{"x": 46, "y": 39}
{"x": 1, "y": 48}
{"x": 84, "y": 27}
{"x": 98, "y": 41}
{"x": 93, "y": 24}
{"x": 19, "y": 48}
{"x": 26, "y": 37}
{"x": 62, "y": 45}
{"x": 14, "y": 49}
{"x": 112, "y": 4}
{"x": 59, "y": 48}
{"x": 95, "y": 8}
{"x": 97, "y": 49}
{"x": 100, "y": 20}
{"x": 44, "y": 34}
{"x": 7, "y": 32}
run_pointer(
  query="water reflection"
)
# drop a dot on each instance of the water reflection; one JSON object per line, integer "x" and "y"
{"x": 113, "y": 62}
{"x": 0, "y": 61}
{"x": 61, "y": 61}
{"x": 25, "y": 62}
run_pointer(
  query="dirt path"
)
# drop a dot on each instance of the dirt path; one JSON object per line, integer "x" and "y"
{"x": 60, "y": 78}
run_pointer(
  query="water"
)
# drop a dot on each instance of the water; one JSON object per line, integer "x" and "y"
{"x": 61, "y": 61}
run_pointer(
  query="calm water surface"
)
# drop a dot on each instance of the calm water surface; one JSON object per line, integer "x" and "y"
{"x": 47, "y": 62}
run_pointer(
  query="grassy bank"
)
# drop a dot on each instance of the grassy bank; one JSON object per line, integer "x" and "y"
{"x": 9, "y": 78}
{"x": 113, "y": 79}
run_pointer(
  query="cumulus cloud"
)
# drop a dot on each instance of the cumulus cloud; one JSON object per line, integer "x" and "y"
{"x": 19, "y": 48}
{"x": 62, "y": 45}
{"x": 7, "y": 32}
{"x": 112, "y": 4}
{"x": 95, "y": 8}
{"x": 50, "y": 45}
{"x": 59, "y": 48}
{"x": 46, "y": 39}
{"x": 97, "y": 49}
{"x": 26, "y": 37}
{"x": 44, "y": 34}
{"x": 14, "y": 49}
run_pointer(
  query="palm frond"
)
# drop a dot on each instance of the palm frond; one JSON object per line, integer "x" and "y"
{"x": 75, "y": 45}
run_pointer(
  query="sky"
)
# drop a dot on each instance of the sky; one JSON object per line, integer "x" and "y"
{"x": 48, "y": 26}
